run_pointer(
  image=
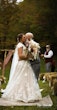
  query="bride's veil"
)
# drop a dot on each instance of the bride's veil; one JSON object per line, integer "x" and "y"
{"x": 13, "y": 65}
{"x": 14, "y": 60}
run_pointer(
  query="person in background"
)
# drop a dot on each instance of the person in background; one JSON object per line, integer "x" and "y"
{"x": 48, "y": 56}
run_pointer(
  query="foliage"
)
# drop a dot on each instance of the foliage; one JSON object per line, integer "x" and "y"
{"x": 36, "y": 16}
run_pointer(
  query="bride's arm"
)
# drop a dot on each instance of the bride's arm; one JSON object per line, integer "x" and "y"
{"x": 21, "y": 55}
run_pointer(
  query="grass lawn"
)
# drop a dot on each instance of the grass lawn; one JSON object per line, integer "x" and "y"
{"x": 47, "y": 90}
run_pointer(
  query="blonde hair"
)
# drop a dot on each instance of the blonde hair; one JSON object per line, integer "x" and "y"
{"x": 29, "y": 34}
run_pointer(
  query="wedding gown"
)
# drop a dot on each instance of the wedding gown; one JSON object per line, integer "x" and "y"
{"x": 23, "y": 85}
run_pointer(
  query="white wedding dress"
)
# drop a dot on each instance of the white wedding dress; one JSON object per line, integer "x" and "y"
{"x": 22, "y": 86}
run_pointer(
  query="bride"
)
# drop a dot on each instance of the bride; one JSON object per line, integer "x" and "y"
{"x": 22, "y": 86}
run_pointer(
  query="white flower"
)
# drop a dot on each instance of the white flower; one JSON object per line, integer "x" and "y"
{"x": 36, "y": 47}
{"x": 32, "y": 48}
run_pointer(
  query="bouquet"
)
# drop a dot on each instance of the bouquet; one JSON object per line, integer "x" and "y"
{"x": 35, "y": 47}
{"x": 32, "y": 49}
{"x": 35, "y": 51}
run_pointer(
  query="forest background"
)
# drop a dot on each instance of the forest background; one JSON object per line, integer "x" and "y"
{"x": 36, "y": 16}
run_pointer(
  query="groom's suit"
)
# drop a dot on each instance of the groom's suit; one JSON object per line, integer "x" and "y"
{"x": 35, "y": 64}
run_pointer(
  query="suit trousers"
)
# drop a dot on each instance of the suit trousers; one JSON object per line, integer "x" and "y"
{"x": 35, "y": 64}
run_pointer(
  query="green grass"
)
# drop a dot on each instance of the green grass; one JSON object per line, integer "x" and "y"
{"x": 42, "y": 65}
{"x": 47, "y": 90}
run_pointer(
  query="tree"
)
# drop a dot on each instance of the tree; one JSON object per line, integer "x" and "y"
{"x": 36, "y": 16}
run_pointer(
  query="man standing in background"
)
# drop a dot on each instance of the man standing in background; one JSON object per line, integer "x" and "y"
{"x": 48, "y": 55}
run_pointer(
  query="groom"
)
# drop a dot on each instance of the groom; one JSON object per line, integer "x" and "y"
{"x": 36, "y": 62}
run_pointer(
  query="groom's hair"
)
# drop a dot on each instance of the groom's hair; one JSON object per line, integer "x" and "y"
{"x": 29, "y": 34}
{"x": 19, "y": 36}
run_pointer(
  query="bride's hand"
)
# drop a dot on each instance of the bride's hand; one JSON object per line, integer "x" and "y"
{"x": 30, "y": 56}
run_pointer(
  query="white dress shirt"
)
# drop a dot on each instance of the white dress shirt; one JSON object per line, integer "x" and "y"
{"x": 50, "y": 54}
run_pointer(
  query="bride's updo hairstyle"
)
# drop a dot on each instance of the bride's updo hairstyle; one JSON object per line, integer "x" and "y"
{"x": 19, "y": 37}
